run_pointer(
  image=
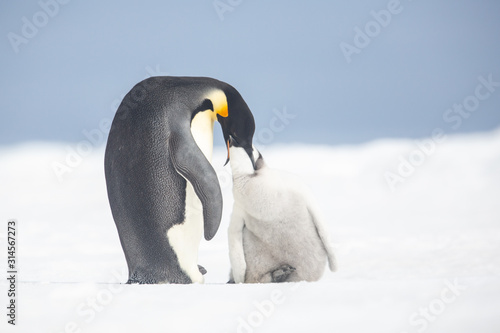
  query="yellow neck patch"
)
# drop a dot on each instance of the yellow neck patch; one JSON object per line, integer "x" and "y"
{"x": 202, "y": 129}
{"x": 219, "y": 101}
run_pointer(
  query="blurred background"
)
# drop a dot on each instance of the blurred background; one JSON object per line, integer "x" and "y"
{"x": 332, "y": 72}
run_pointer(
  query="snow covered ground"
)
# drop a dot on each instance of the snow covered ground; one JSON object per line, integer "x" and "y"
{"x": 422, "y": 255}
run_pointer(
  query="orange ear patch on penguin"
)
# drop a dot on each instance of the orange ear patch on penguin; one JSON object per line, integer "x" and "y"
{"x": 219, "y": 102}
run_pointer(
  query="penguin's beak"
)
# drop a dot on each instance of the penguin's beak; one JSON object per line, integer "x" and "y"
{"x": 250, "y": 154}
{"x": 228, "y": 145}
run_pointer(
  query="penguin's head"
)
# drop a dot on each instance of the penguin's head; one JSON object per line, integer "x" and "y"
{"x": 237, "y": 122}
{"x": 242, "y": 162}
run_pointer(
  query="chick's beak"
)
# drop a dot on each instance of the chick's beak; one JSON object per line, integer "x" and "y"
{"x": 249, "y": 151}
{"x": 227, "y": 144}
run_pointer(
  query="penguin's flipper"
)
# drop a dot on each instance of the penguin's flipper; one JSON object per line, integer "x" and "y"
{"x": 236, "y": 250}
{"x": 323, "y": 234}
{"x": 190, "y": 162}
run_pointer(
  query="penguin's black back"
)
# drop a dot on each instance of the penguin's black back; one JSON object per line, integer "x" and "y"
{"x": 146, "y": 194}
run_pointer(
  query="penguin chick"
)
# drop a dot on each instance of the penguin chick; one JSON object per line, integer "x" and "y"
{"x": 275, "y": 233}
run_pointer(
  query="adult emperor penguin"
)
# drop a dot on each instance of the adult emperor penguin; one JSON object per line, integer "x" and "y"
{"x": 163, "y": 192}
{"x": 275, "y": 233}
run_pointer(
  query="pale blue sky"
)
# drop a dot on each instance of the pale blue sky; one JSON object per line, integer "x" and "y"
{"x": 278, "y": 54}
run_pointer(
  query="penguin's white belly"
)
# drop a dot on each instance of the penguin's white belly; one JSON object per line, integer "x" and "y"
{"x": 185, "y": 238}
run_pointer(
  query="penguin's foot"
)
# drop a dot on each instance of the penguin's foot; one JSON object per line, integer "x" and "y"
{"x": 231, "y": 278}
{"x": 282, "y": 273}
{"x": 202, "y": 270}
